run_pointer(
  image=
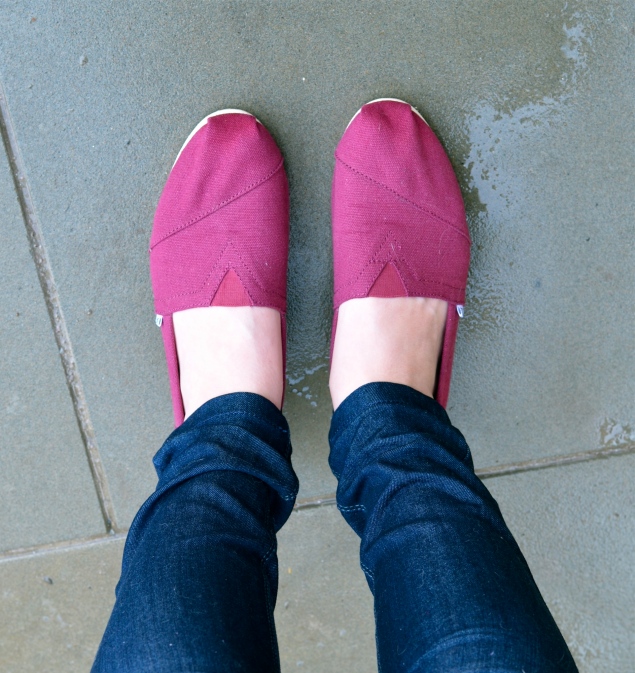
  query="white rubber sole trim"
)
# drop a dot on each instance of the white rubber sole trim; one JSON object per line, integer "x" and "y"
{"x": 396, "y": 100}
{"x": 203, "y": 121}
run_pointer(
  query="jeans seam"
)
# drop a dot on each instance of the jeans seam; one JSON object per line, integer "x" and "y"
{"x": 350, "y": 508}
{"x": 272, "y": 634}
{"x": 370, "y": 459}
{"x": 367, "y": 571}
{"x": 270, "y": 607}
{"x": 379, "y": 669}
{"x": 269, "y": 552}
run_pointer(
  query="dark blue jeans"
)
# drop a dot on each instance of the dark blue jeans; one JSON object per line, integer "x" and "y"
{"x": 452, "y": 590}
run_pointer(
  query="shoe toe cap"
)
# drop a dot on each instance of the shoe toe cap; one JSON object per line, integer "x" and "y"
{"x": 225, "y": 206}
{"x": 226, "y": 158}
{"x": 390, "y": 144}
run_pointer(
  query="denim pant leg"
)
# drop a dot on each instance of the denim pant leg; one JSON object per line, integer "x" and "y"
{"x": 452, "y": 590}
{"x": 200, "y": 576}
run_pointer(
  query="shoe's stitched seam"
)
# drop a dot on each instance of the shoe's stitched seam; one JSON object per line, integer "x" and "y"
{"x": 227, "y": 268}
{"x": 375, "y": 258}
{"x": 401, "y": 196}
{"x": 222, "y": 204}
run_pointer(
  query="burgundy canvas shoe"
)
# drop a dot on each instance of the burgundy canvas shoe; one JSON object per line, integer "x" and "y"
{"x": 221, "y": 229}
{"x": 399, "y": 227}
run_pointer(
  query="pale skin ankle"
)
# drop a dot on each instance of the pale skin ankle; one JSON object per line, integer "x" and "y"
{"x": 228, "y": 350}
{"x": 395, "y": 340}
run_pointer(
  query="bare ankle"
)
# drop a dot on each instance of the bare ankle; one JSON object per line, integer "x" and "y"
{"x": 226, "y": 350}
{"x": 393, "y": 340}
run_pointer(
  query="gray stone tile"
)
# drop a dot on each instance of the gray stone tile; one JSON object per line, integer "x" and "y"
{"x": 46, "y": 490}
{"x": 576, "y": 528}
{"x": 529, "y": 101}
{"x": 56, "y": 604}
{"x": 541, "y": 367}
{"x": 324, "y": 615}
{"x": 55, "y": 607}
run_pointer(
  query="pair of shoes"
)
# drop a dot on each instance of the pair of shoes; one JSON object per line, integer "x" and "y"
{"x": 221, "y": 229}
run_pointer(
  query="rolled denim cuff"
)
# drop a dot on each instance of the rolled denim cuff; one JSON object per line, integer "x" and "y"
{"x": 239, "y": 432}
{"x": 386, "y": 402}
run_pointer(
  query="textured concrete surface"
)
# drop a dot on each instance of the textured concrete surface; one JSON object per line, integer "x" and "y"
{"x": 55, "y": 607}
{"x": 324, "y": 615}
{"x": 46, "y": 491}
{"x": 535, "y": 108}
{"x": 308, "y": 410}
{"x": 546, "y": 352}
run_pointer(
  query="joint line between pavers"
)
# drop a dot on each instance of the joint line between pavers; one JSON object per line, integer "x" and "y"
{"x": 556, "y": 461}
{"x": 507, "y": 469}
{"x": 52, "y": 300}
{"x": 311, "y": 503}
{"x": 328, "y": 500}
{"x": 60, "y": 546}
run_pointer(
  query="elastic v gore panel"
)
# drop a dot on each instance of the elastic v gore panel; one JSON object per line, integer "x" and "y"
{"x": 231, "y": 292}
{"x": 388, "y": 283}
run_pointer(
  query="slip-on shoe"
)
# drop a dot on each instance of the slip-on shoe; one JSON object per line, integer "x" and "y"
{"x": 221, "y": 228}
{"x": 399, "y": 226}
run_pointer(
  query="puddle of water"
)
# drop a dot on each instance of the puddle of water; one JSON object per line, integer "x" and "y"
{"x": 497, "y": 133}
{"x": 613, "y": 433}
{"x": 493, "y": 127}
{"x": 301, "y": 385}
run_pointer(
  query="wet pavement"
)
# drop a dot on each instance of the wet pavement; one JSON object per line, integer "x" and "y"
{"x": 535, "y": 107}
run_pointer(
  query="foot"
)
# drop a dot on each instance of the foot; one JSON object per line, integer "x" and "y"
{"x": 396, "y": 340}
{"x": 227, "y": 350}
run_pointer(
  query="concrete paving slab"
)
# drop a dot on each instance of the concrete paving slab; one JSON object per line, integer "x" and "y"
{"x": 55, "y": 607}
{"x": 576, "y": 527}
{"x": 324, "y": 615}
{"x": 46, "y": 489}
{"x": 529, "y": 100}
{"x": 56, "y": 604}
{"x": 554, "y": 256}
